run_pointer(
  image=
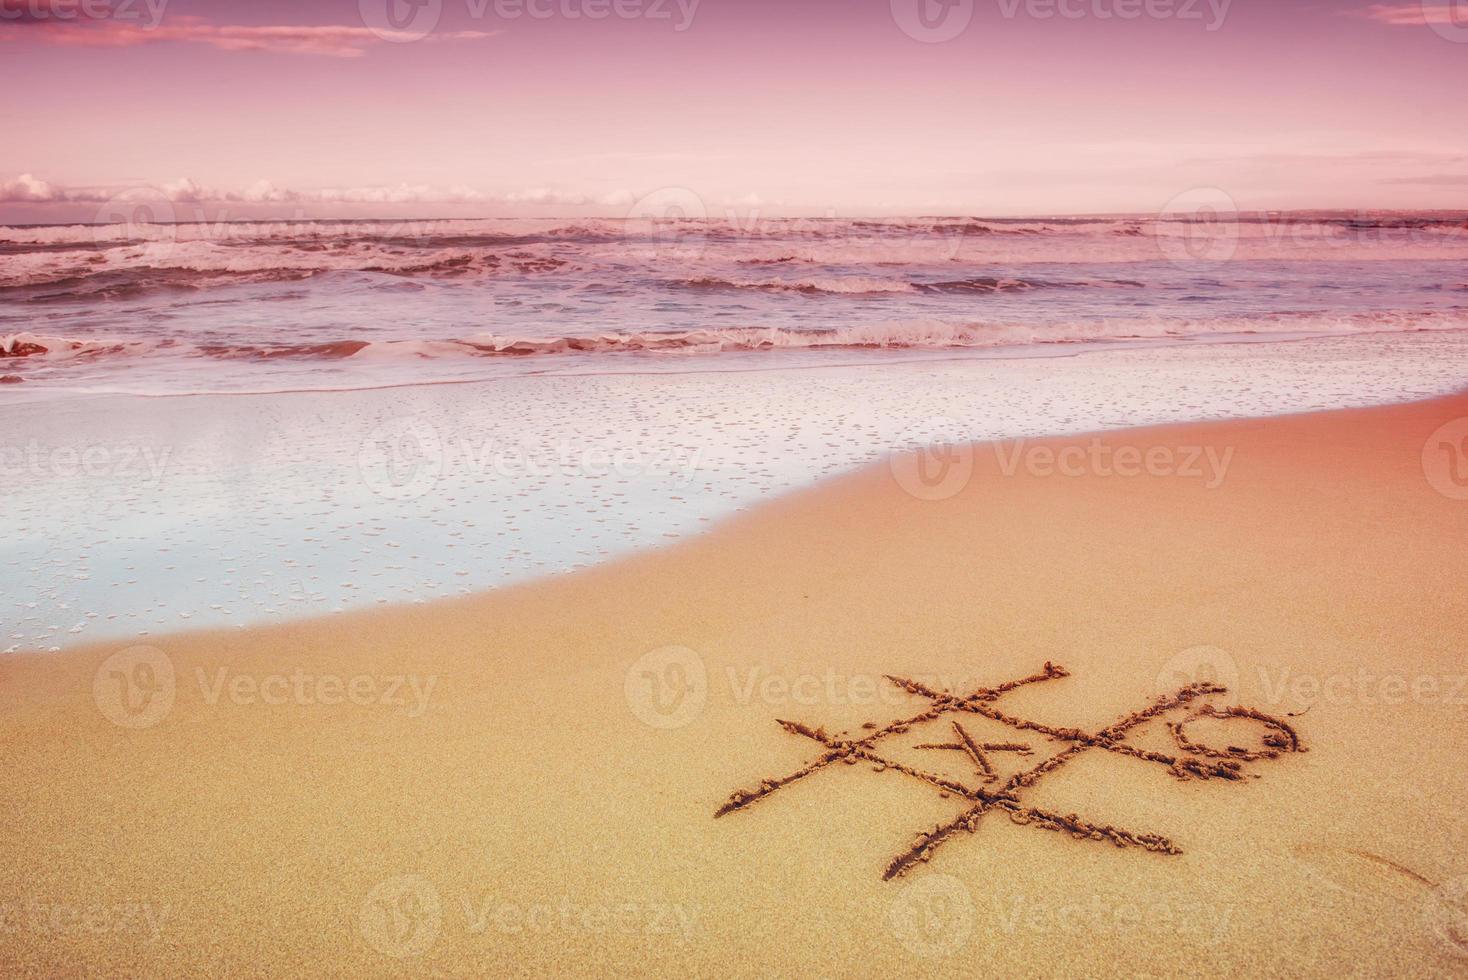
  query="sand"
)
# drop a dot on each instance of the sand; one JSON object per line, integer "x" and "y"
{"x": 524, "y": 782}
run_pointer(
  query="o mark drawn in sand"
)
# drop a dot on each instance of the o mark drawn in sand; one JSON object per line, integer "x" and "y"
{"x": 1196, "y": 761}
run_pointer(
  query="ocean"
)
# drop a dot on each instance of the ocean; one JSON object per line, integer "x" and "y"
{"x": 310, "y": 305}
{"x": 243, "y": 424}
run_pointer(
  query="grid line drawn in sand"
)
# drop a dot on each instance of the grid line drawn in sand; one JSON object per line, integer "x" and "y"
{"x": 1196, "y": 761}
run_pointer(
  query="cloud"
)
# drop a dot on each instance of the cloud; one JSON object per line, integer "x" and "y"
{"x": 542, "y": 195}
{"x": 264, "y": 192}
{"x": 335, "y": 41}
{"x": 185, "y": 191}
{"x": 29, "y": 189}
{"x": 1414, "y": 14}
{"x": 401, "y": 194}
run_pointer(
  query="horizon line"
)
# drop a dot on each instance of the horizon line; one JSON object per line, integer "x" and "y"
{"x": 971, "y": 216}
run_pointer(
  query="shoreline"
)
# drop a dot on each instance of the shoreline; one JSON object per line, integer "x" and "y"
{"x": 523, "y": 496}
{"x": 1036, "y": 351}
{"x": 553, "y": 801}
{"x": 1211, "y": 468}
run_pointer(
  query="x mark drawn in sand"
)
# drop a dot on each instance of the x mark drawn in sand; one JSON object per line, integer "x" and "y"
{"x": 1196, "y": 761}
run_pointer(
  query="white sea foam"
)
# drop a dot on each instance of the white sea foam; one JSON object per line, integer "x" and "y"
{"x": 246, "y": 510}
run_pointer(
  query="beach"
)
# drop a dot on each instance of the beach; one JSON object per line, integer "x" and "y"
{"x": 525, "y": 781}
{"x": 799, "y": 489}
{"x": 191, "y": 511}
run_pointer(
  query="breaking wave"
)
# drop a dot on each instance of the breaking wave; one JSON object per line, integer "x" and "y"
{"x": 896, "y": 335}
{"x": 227, "y": 306}
{"x": 870, "y": 286}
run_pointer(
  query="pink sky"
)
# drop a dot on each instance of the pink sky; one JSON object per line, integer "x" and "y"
{"x": 296, "y": 107}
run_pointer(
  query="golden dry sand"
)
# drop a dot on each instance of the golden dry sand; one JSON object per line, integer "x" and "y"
{"x": 538, "y": 795}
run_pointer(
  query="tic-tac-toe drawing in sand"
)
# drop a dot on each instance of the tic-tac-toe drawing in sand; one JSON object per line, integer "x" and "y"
{"x": 1178, "y": 710}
